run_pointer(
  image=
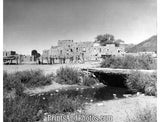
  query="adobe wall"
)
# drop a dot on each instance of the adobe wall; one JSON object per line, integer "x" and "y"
{"x": 69, "y": 51}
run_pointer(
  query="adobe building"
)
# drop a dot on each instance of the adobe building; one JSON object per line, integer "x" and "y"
{"x": 68, "y": 51}
{"x": 8, "y": 53}
{"x": 27, "y": 59}
{"x": 11, "y": 57}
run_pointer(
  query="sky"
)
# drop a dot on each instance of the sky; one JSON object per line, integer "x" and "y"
{"x": 39, "y": 24}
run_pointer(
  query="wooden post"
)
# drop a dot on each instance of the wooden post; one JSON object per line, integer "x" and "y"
{"x": 17, "y": 60}
{"x": 11, "y": 61}
{"x": 50, "y": 62}
{"x": 53, "y": 60}
{"x": 47, "y": 60}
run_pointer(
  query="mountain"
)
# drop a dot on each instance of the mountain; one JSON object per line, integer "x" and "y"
{"x": 128, "y": 46}
{"x": 149, "y": 45}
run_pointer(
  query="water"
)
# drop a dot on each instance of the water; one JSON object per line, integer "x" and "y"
{"x": 92, "y": 94}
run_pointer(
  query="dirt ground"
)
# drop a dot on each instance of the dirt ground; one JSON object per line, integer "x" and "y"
{"x": 134, "y": 109}
{"x": 127, "y": 109}
{"x": 48, "y": 68}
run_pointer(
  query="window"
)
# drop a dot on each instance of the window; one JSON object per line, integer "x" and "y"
{"x": 84, "y": 49}
{"x": 77, "y": 49}
{"x": 119, "y": 51}
{"x": 100, "y": 50}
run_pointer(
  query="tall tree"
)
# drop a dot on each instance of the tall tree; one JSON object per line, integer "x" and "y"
{"x": 105, "y": 39}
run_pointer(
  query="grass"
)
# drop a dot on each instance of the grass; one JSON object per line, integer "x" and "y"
{"x": 12, "y": 83}
{"x": 29, "y": 109}
{"x": 146, "y": 114}
{"x": 146, "y": 62}
{"x": 34, "y": 78}
{"x": 140, "y": 82}
{"x": 23, "y": 107}
{"x": 19, "y": 109}
{"x": 65, "y": 104}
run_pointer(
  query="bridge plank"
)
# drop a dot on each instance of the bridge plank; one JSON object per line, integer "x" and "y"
{"x": 116, "y": 71}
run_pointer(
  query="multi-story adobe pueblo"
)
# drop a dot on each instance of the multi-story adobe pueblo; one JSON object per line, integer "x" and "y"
{"x": 68, "y": 51}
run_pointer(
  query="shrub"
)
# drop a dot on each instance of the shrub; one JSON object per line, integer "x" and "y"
{"x": 89, "y": 81}
{"x": 68, "y": 75}
{"x": 71, "y": 76}
{"x": 12, "y": 83}
{"x": 151, "y": 85}
{"x": 15, "y": 83}
{"x": 34, "y": 78}
{"x": 111, "y": 62}
{"x": 146, "y": 62}
{"x": 130, "y": 62}
{"x": 140, "y": 82}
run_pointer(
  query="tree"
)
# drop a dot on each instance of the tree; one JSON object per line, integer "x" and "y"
{"x": 38, "y": 55}
{"x": 105, "y": 39}
{"x": 118, "y": 42}
{"x": 35, "y": 54}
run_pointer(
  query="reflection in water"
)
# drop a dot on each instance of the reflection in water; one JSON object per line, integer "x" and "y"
{"x": 106, "y": 93}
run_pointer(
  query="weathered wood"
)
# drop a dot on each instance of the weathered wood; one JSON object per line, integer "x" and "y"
{"x": 116, "y": 71}
{"x": 114, "y": 77}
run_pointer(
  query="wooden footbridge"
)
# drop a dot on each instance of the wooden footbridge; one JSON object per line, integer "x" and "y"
{"x": 114, "y": 77}
{"x": 116, "y": 71}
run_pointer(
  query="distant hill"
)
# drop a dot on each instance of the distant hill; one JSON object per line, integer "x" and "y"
{"x": 149, "y": 45}
{"x": 128, "y": 46}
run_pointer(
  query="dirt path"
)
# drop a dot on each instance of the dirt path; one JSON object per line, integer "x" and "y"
{"x": 125, "y": 110}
